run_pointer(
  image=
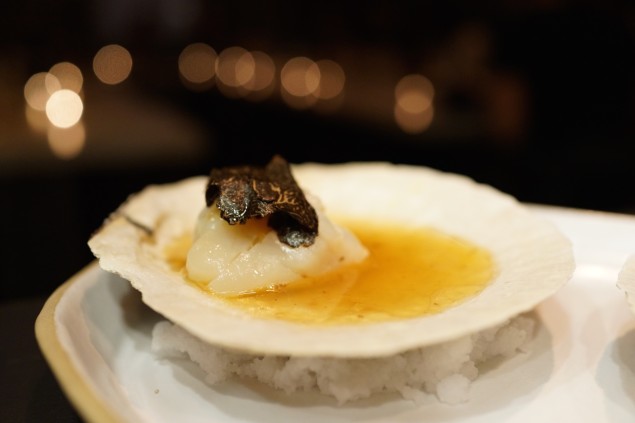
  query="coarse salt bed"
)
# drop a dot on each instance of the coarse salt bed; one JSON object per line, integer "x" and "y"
{"x": 445, "y": 370}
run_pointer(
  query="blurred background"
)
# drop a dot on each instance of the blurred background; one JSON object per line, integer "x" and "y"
{"x": 100, "y": 98}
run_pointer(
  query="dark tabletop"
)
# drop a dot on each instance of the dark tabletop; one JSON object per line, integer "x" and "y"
{"x": 28, "y": 390}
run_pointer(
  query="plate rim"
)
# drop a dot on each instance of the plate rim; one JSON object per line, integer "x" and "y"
{"x": 76, "y": 388}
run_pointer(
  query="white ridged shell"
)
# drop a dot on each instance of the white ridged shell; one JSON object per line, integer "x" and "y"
{"x": 626, "y": 281}
{"x": 533, "y": 258}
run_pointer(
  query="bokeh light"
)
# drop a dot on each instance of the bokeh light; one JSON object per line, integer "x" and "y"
{"x": 197, "y": 66}
{"x": 235, "y": 68}
{"x": 414, "y": 123}
{"x": 69, "y": 76}
{"x": 262, "y": 83}
{"x": 414, "y": 111}
{"x": 66, "y": 143}
{"x": 332, "y": 79}
{"x": 39, "y": 88}
{"x": 414, "y": 93}
{"x": 299, "y": 80}
{"x": 300, "y": 77}
{"x": 245, "y": 69}
{"x": 64, "y": 108}
{"x": 112, "y": 64}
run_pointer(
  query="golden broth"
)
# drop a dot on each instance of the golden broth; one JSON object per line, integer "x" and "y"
{"x": 409, "y": 273}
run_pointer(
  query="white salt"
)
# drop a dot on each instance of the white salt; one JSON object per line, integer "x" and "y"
{"x": 445, "y": 370}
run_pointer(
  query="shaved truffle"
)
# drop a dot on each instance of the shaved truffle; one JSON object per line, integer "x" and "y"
{"x": 245, "y": 192}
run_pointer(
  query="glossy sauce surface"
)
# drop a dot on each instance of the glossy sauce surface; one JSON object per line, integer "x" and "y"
{"x": 409, "y": 273}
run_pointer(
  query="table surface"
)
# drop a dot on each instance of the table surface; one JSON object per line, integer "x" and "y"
{"x": 28, "y": 390}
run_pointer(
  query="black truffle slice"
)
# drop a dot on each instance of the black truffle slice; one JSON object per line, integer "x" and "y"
{"x": 245, "y": 192}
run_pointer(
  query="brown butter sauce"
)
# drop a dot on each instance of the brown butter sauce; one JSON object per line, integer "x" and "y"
{"x": 409, "y": 273}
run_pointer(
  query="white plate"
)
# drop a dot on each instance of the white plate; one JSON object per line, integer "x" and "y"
{"x": 95, "y": 333}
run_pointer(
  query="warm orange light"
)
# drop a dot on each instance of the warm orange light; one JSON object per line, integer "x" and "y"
{"x": 64, "y": 108}
{"x": 414, "y": 109}
{"x": 245, "y": 69}
{"x": 229, "y": 62}
{"x": 66, "y": 143}
{"x": 300, "y": 77}
{"x": 69, "y": 76}
{"x": 414, "y": 123}
{"x": 39, "y": 88}
{"x": 312, "y": 78}
{"x": 264, "y": 72}
{"x": 332, "y": 79}
{"x": 112, "y": 64}
{"x": 235, "y": 69}
{"x": 197, "y": 65}
{"x": 262, "y": 84}
{"x": 414, "y": 93}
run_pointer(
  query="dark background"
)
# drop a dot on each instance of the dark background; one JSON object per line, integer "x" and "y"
{"x": 536, "y": 98}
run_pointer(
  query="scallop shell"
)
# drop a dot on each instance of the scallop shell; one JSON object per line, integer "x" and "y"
{"x": 533, "y": 258}
{"x": 626, "y": 281}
